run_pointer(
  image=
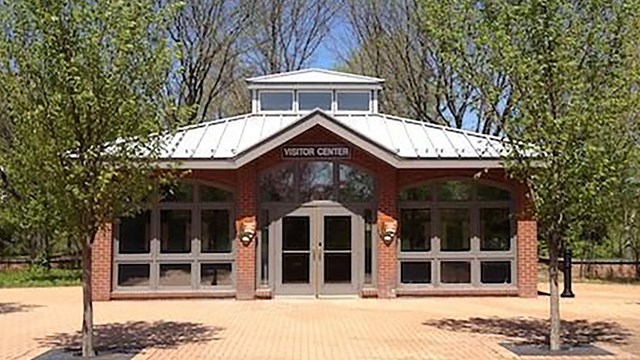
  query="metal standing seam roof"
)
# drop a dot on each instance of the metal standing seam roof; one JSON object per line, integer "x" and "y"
{"x": 405, "y": 138}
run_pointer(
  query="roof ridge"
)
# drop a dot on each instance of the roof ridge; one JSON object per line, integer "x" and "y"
{"x": 442, "y": 127}
{"x": 307, "y": 70}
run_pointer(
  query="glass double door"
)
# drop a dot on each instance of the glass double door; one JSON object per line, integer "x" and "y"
{"x": 317, "y": 251}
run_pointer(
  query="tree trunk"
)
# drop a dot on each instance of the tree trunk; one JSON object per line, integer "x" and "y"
{"x": 554, "y": 301}
{"x": 87, "y": 313}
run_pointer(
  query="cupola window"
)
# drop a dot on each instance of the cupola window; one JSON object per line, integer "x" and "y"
{"x": 276, "y": 100}
{"x": 353, "y": 101}
{"x": 310, "y": 100}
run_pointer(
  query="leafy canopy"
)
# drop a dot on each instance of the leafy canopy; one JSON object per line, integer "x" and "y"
{"x": 77, "y": 77}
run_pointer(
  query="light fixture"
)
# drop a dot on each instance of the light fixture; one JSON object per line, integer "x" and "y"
{"x": 387, "y": 228}
{"x": 246, "y": 229}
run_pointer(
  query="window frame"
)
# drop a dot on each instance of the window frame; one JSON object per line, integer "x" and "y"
{"x": 195, "y": 257}
{"x": 474, "y": 255}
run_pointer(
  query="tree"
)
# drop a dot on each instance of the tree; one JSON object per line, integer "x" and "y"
{"x": 286, "y": 33}
{"x": 428, "y": 52}
{"x": 211, "y": 37}
{"x": 574, "y": 71}
{"x": 82, "y": 86}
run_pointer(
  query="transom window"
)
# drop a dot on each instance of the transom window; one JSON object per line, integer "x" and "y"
{"x": 304, "y": 181}
{"x": 183, "y": 241}
{"x": 454, "y": 233}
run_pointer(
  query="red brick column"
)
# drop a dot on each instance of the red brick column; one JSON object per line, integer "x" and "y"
{"x": 387, "y": 253}
{"x": 101, "y": 256}
{"x": 245, "y": 254}
{"x": 527, "y": 258}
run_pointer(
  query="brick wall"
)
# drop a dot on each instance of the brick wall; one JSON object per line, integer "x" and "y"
{"x": 101, "y": 264}
{"x": 527, "y": 258}
{"x": 245, "y": 254}
{"x": 387, "y": 253}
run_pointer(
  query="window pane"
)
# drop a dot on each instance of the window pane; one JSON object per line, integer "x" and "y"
{"x": 337, "y": 233}
{"x": 337, "y": 268}
{"x": 418, "y": 193}
{"x": 215, "y": 275}
{"x": 316, "y": 181}
{"x": 355, "y": 185}
{"x": 455, "y": 272}
{"x": 215, "y": 231}
{"x": 454, "y": 229}
{"x": 271, "y": 101}
{"x": 492, "y": 193}
{"x": 214, "y": 194}
{"x": 415, "y": 272}
{"x": 178, "y": 192}
{"x": 295, "y": 268}
{"x": 358, "y": 101}
{"x": 175, "y": 231}
{"x": 134, "y": 234}
{"x": 495, "y": 272}
{"x": 313, "y": 100}
{"x": 295, "y": 233}
{"x": 277, "y": 185}
{"x": 495, "y": 230}
{"x": 415, "y": 230}
{"x": 175, "y": 275}
{"x": 133, "y": 274}
{"x": 454, "y": 191}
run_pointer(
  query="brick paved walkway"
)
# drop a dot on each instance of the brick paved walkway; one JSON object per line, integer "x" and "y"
{"x": 33, "y": 320}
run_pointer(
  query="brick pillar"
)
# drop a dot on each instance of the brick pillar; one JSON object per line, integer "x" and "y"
{"x": 245, "y": 254}
{"x": 101, "y": 264}
{"x": 527, "y": 258}
{"x": 387, "y": 253}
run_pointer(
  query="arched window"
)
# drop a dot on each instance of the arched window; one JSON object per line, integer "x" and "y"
{"x": 183, "y": 241}
{"x": 461, "y": 230}
{"x": 304, "y": 181}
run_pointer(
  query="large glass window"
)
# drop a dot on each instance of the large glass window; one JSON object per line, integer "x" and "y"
{"x": 355, "y": 185}
{"x": 462, "y": 227}
{"x": 353, "y": 101}
{"x": 455, "y": 227}
{"x": 276, "y": 185}
{"x": 415, "y": 232}
{"x": 216, "y": 236}
{"x": 310, "y": 100}
{"x": 495, "y": 230}
{"x": 134, "y": 234}
{"x": 168, "y": 246}
{"x": 316, "y": 180}
{"x": 276, "y": 101}
{"x": 175, "y": 234}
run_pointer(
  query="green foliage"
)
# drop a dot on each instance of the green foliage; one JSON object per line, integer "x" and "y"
{"x": 36, "y": 276}
{"x": 83, "y": 84}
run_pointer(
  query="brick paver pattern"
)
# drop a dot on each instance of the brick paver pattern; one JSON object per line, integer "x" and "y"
{"x": 34, "y": 320}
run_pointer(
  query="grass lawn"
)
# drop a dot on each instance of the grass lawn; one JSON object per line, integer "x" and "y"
{"x": 39, "y": 277}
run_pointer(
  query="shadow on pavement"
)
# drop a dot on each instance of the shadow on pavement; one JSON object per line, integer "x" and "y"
{"x": 535, "y": 331}
{"x": 11, "y": 307}
{"x": 134, "y": 336}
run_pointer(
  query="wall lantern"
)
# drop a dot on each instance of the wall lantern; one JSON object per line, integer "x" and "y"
{"x": 387, "y": 228}
{"x": 246, "y": 229}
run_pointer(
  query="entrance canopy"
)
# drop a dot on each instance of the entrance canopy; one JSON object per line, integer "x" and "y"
{"x": 403, "y": 143}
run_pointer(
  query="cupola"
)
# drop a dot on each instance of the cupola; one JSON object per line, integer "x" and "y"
{"x": 303, "y": 91}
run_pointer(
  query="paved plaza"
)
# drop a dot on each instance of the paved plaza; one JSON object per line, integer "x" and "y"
{"x": 35, "y": 320}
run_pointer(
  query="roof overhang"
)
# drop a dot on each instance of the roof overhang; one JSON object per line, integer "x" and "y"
{"x": 319, "y": 118}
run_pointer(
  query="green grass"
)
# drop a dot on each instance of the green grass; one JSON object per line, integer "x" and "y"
{"x": 39, "y": 277}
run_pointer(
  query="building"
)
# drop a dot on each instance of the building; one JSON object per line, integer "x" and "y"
{"x": 317, "y": 193}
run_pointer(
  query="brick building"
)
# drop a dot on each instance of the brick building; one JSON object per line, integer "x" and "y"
{"x": 317, "y": 193}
